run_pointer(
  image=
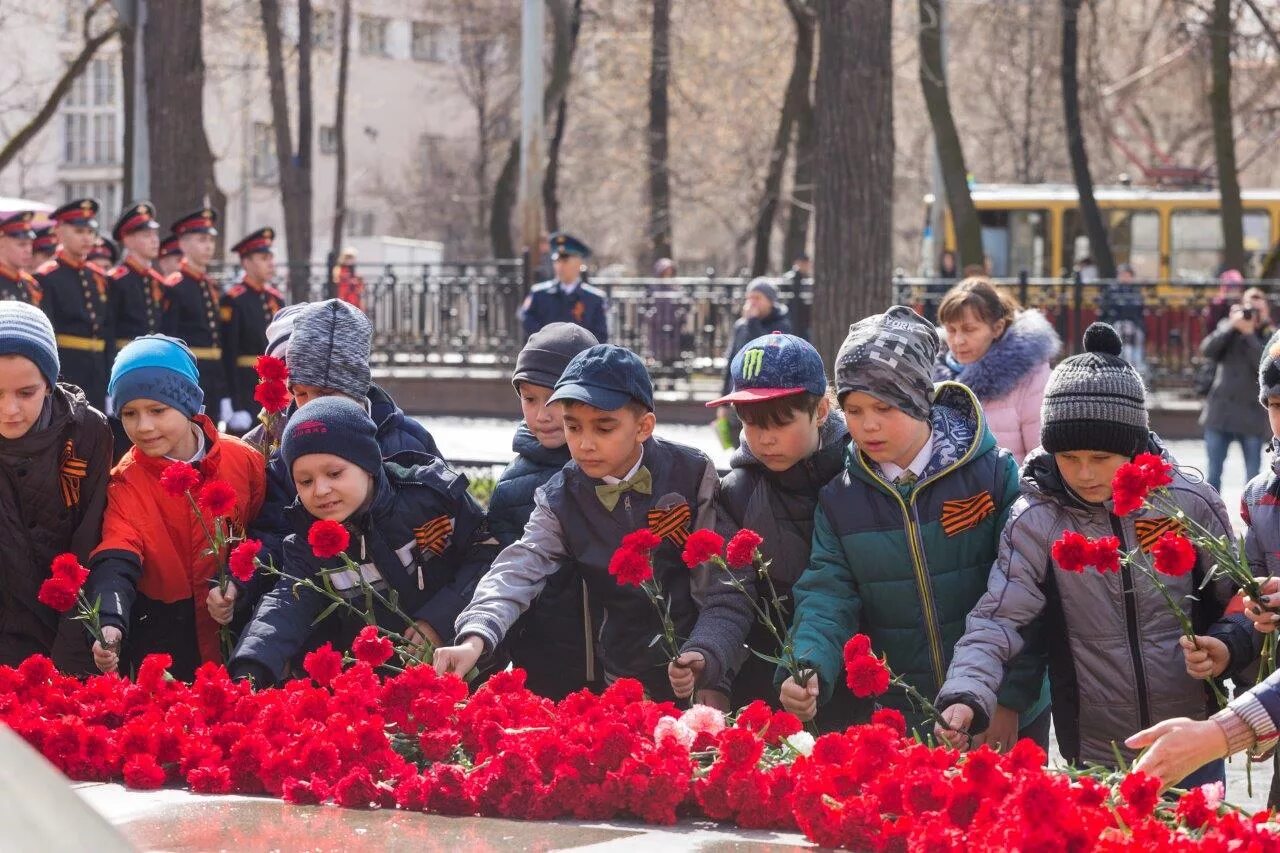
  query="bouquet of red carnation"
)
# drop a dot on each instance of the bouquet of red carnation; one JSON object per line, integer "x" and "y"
{"x": 632, "y": 565}
{"x": 64, "y": 589}
{"x": 273, "y": 395}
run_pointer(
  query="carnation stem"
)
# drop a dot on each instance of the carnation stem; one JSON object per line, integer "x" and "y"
{"x": 1184, "y": 621}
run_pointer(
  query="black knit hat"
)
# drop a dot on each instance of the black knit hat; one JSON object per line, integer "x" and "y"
{"x": 1269, "y": 370}
{"x": 1095, "y": 400}
{"x": 549, "y": 351}
{"x": 333, "y": 425}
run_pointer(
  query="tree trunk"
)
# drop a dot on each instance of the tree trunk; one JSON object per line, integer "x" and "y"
{"x": 854, "y": 112}
{"x": 797, "y": 240}
{"x": 1099, "y": 240}
{"x": 937, "y": 101}
{"x": 340, "y": 131}
{"x": 796, "y": 95}
{"x": 1224, "y": 144}
{"x": 659, "y": 119}
{"x": 294, "y": 168}
{"x": 128, "y": 71}
{"x": 182, "y": 164}
{"x": 550, "y": 178}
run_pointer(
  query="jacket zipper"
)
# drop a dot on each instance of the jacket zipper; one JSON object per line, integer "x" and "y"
{"x": 1131, "y": 629}
{"x": 586, "y": 630}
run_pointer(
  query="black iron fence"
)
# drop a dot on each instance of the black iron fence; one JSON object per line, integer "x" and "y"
{"x": 467, "y": 315}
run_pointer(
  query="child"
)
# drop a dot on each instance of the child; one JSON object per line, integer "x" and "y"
{"x": 904, "y": 538}
{"x": 621, "y": 479}
{"x": 151, "y": 569}
{"x": 1114, "y": 641}
{"x": 552, "y": 640}
{"x": 55, "y": 452}
{"x": 414, "y": 529}
{"x": 791, "y": 448}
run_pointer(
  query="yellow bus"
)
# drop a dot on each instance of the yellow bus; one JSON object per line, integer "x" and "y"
{"x": 1165, "y": 234}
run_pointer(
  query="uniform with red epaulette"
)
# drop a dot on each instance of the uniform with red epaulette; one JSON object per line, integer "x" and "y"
{"x": 191, "y": 309}
{"x": 137, "y": 290}
{"x": 44, "y": 245}
{"x": 15, "y": 282}
{"x": 247, "y": 309}
{"x": 74, "y": 296}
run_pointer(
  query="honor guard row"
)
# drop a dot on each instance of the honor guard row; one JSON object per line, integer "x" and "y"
{"x": 16, "y": 237}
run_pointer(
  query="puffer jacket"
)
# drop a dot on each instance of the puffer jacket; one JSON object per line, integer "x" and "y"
{"x": 1112, "y": 640}
{"x": 905, "y": 566}
{"x": 511, "y": 503}
{"x": 1009, "y": 380}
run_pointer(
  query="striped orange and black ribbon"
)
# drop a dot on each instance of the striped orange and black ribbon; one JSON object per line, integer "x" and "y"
{"x": 961, "y": 515}
{"x": 434, "y": 535}
{"x": 671, "y": 523}
{"x": 1151, "y": 529}
{"x": 71, "y": 472}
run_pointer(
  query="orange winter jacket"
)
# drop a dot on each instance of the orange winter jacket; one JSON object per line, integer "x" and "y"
{"x": 145, "y": 529}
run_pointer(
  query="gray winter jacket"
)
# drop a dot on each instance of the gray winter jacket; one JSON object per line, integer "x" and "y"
{"x": 1115, "y": 665}
{"x": 1232, "y": 404}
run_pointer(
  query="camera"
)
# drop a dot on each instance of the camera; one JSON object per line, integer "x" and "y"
{"x": 1248, "y": 313}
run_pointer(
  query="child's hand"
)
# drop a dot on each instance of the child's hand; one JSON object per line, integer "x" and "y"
{"x": 420, "y": 633}
{"x": 1002, "y": 734}
{"x": 458, "y": 659}
{"x": 800, "y": 700}
{"x": 683, "y": 673}
{"x": 222, "y": 605}
{"x": 1263, "y": 618}
{"x": 1206, "y": 657}
{"x": 108, "y": 660}
{"x": 959, "y": 717}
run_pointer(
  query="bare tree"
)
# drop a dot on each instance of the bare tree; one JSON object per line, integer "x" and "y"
{"x": 551, "y": 177}
{"x": 801, "y": 206}
{"x": 660, "y": 237}
{"x": 854, "y": 110}
{"x": 1232, "y": 212}
{"x": 92, "y": 42}
{"x": 340, "y": 130}
{"x": 294, "y": 166}
{"x": 946, "y": 139}
{"x": 1099, "y": 240}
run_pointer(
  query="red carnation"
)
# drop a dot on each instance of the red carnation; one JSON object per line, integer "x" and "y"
{"x": 242, "y": 562}
{"x": 701, "y": 546}
{"x": 1158, "y": 472}
{"x": 218, "y": 498}
{"x": 178, "y": 479}
{"x": 143, "y": 773}
{"x": 630, "y": 567}
{"x": 371, "y": 647}
{"x": 1073, "y": 551}
{"x": 867, "y": 676}
{"x": 857, "y": 646}
{"x": 67, "y": 567}
{"x": 58, "y": 594}
{"x": 892, "y": 718}
{"x": 1129, "y": 489}
{"x": 643, "y": 539}
{"x": 323, "y": 664}
{"x": 1141, "y": 791}
{"x": 273, "y": 396}
{"x": 1106, "y": 554}
{"x": 328, "y": 538}
{"x": 742, "y": 548}
{"x": 271, "y": 369}
{"x": 1174, "y": 555}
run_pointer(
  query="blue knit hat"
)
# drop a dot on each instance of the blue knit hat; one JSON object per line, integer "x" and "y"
{"x": 333, "y": 425}
{"x": 160, "y": 368}
{"x": 26, "y": 331}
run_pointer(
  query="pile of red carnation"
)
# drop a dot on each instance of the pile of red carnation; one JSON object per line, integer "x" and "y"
{"x": 416, "y": 741}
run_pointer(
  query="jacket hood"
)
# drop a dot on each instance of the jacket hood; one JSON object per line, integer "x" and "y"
{"x": 526, "y": 444}
{"x": 1029, "y": 342}
{"x": 383, "y": 411}
{"x": 1042, "y": 479}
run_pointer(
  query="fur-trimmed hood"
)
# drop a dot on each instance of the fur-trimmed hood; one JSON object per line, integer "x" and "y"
{"x": 1029, "y": 342}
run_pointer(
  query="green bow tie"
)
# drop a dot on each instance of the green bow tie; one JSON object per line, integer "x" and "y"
{"x": 608, "y": 493}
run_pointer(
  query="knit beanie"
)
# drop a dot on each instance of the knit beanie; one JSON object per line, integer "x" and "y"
{"x": 280, "y": 329}
{"x": 1095, "y": 400}
{"x": 333, "y": 425}
{"x": 330, "y": 344}
{"x": 764, "y": 287}
{"x": 26, "y": 331}
{"x": 548, "y": 352}
{"x": 890, "y": 356}
{"x": 160, "y": 368}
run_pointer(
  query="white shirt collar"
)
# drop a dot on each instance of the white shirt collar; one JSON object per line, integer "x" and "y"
{"x": 613, "y": 481}
{"x": 892, "y": 471}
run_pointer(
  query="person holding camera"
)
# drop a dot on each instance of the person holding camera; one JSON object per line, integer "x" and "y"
{"x": 1231, "y": 413}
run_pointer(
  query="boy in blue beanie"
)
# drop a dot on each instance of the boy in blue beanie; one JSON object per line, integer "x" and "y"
{"x": 415, "y": 532}
{"x": 152, "y": 570}
{"x": 55, "y": 452}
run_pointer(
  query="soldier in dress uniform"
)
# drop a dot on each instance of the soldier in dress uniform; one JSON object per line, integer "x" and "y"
{"x": 137, "y": 290}
{"x": 16, "y": 236}
{"x": 567, "y": 298}
{"x": 247, "y": 309}
{"x": 104, "y": 254}
{"x": 42, "y": 247}
{"x": 191, "y": 300}
{"x": 170, "y": 256}
{"x": 74, "y": 295}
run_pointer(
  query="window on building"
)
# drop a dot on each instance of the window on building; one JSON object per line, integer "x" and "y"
{"x": 264, "y": 153}
{"x": 428, "y": 42}
{"x": 324, "y": 29}
{"x": 373, "y": 35}
{"x": 90, "y": 117}
{"x": 106, "y": 192}
{"x": 328, "y": 139}
{"x": 1195, "y": 241}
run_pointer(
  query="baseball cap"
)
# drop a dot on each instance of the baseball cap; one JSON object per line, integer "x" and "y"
{"x": 772, "y": 366}
{"x": 607, "y": 377}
